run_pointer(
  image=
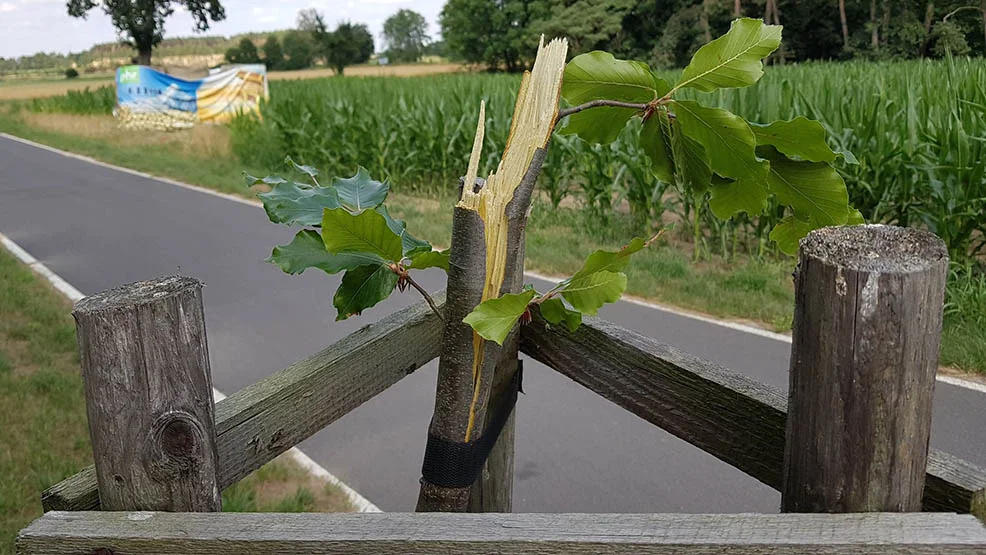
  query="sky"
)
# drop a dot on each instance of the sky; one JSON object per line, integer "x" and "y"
{"x": 29, "y": 26}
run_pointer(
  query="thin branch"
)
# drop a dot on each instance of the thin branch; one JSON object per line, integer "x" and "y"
{"x": 428, "y": 299}
{"x": 957, "y": 10}
{"x": 601, "y": 102}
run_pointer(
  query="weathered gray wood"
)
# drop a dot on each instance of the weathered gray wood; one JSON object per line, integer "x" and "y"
{"x": 257, "y": 423}
{"x": 728, "y": 415}
{"x": 867, "y": 328}
{"x": 145, "y": 364}
{"x": 61, "y": 533}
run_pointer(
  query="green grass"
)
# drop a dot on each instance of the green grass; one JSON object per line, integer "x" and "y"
{"x": 42, "y": 408}
{"x": 44, "y": 422}
{"x": 223, "y": 174}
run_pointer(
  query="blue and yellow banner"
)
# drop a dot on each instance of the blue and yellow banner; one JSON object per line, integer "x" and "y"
{"x": 148, "y": 98}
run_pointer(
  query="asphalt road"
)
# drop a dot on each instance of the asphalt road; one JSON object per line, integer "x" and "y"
{"x": 98, "y": 228}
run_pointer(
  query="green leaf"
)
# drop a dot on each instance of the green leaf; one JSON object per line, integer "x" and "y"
{"x": 293, "y": 203}
{"x": 691, "y": 162}
{"x": 493, "y": 319}
{"x": 598, "y": 125}
{"x": 798, "y": 138}
{"x": 730, "y": 197}
{"x": 308, "y": 170}
{"x": 655, "y": 139}
{"x": 814, "y": 189}
{"x": 360, "y": 191}
{"x": 555, "y": 312}
{"x": 366, "y": 232}
{"x": 362, "y": 288}
{"x": 725, "y": 136}
{"x": 734, "y": 59}
{"x": 269, "y": 180}
{"x": 598, "y": 75}
{"x": 430, "y": 259}
{"x": 410, "y": 244}
{"x": 589, "y": 292}
{"x": 789, "y": 232}
{"x": 855, "y": 217}
{"x": 610, "y": 261}
{"x": 307, "y": 250}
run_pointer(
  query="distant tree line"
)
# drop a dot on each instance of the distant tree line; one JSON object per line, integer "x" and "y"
{"x": 311, "y": 42}
{"x": 501, "y": 33}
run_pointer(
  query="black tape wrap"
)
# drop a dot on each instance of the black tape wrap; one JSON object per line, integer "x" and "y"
{"x": 453, "y": 464}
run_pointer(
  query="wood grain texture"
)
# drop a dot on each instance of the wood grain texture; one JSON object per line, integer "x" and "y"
{"x": 257, "y": 423}
{"x": 60, "y": 533}
{"x": 728, "y": 415}
{"x": 867, "y": 328}
{"x": 148, "y": 389}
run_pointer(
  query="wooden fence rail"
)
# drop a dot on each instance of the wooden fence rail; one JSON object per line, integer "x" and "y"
{"x": 61, "y": 533}
{"x": 258, "y": 423}
{"x": 735, "y": 418}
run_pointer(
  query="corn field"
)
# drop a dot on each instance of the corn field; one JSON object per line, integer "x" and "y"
{"x": 918, "y": 129}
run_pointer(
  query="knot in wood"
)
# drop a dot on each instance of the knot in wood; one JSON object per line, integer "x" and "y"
{"x": 174, "y": 447}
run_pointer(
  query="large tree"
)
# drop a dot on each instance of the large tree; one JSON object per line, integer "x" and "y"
{"x": 141, "y": 22}
{"x": 349, "y": 44}
{"x": 491, "y": 32}
{"x": 405, "y": 33}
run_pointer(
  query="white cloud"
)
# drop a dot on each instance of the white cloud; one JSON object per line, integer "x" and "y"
{"x": 7, "y": 7}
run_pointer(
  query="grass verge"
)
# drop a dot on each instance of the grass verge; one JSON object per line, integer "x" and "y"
{"x": 42, "y": 409}
{"x": 759, "y": 291}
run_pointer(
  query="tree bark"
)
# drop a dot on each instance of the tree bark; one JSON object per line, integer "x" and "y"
{"x": 144, "y": 56}
{"x": 874, "y": 27}
{"x": 982, "y": 8}
{"x": 929, "y": 16}
{"x": 737, "y": 8}
{"x": 703, "y": 21}
{"x": 844, "y": 23}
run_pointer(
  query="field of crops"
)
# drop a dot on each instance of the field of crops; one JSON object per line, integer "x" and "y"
{"x": 918, "y": 129}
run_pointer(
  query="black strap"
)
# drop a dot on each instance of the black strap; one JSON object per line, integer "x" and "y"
{"x": 453, "y": 464}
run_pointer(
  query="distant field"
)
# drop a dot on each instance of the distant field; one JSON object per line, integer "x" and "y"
{"x": 16, "y": 90}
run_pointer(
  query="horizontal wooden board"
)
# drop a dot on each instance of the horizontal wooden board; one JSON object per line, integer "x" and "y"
{"x": 731, "y": 416}
{"x": 63, "y": 533}
{"x": 257, "y": 423}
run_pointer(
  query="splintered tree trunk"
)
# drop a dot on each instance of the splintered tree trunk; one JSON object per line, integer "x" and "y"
{"x": 475, "y": 376}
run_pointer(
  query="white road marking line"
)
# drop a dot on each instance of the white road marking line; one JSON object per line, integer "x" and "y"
{"x": 958, "y": 382}
{"x": 361, "y": 503}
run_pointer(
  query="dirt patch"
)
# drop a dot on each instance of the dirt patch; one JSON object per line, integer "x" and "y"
{"x": 40, "y": 89}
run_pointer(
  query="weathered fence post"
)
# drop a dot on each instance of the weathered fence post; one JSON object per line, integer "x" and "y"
{"x": 145, "y": 363}
{"x": 867, "y": 328}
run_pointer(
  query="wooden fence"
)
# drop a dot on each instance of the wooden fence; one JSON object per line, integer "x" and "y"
{"x": 867, "y": 326}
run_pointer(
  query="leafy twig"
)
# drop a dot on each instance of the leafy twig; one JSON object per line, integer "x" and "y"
{"x": 428, "y": 299}
{"x": 601, "y": 102}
